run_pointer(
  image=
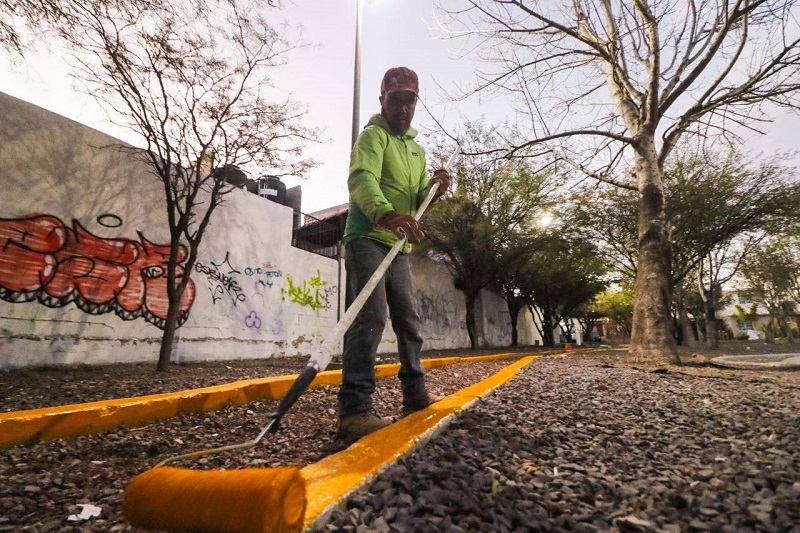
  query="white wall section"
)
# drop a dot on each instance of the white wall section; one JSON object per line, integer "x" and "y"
{"x": 82, "y": 235}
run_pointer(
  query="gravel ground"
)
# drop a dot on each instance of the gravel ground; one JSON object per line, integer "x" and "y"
{"x": 44, "y": 483}
{"x": 598, "y": 443}
{"x": 46, "y": 387}
{"x": 589, "y": 442}
{"x": 33, "y": 388}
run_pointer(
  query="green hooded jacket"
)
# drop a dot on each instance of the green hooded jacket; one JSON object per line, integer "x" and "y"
{"x": 387, "y": 173}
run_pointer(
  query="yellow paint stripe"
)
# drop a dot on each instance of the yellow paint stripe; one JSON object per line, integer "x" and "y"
{"x": 33, "y": 425}
{"x": 331, "y": 479}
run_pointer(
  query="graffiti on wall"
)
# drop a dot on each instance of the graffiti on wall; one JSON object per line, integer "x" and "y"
{"x": 311, "y": 293}
{"x": 330, "y": 291}
{"x": 43, "y": 259}
{"x": 437, "y": 310}
{"x": 222, "y": 280}
{"x": 502, "y": 326}
{"x": 252, "y": 320}
{"x": 234, "y": 283}
{"x": 263, "y": 274}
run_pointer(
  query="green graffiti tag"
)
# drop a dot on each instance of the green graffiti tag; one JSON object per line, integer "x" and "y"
{"x": 311, "y": 293}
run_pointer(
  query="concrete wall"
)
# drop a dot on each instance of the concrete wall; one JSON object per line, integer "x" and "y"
{"x": 82, "y": 236}
{"x": 439, "y": 305}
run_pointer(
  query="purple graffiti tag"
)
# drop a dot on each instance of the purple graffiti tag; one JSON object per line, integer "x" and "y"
{"x": 252, "y": 320}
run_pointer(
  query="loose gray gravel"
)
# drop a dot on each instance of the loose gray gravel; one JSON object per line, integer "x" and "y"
{"x": 44, "y": 483}
{"x": 583, "y": 443}
{"x": 579, "y": 444}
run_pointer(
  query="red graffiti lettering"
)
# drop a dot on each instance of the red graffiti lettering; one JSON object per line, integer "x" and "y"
{"x": 43, "y": 259}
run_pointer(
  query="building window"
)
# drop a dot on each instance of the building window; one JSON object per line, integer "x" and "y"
{"x": 745, "y": 326}
{"x": 745, "y": 299}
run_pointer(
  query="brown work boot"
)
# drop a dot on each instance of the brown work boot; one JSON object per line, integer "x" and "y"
{"x": 416, "y": 404}
{"x": 360, "y": 424}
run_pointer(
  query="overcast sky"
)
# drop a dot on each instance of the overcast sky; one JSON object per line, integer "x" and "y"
{"x": 395, "y": 33}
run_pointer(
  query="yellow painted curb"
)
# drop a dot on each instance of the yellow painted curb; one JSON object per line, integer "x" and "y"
{"x": 33, "y": 425}
{"x": 334, "y": 477}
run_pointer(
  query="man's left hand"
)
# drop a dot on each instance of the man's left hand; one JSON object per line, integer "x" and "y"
{"x": 443, "y": 178}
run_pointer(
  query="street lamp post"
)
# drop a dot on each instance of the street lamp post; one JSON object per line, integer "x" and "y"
{"x": 357, "y": 75}
{"x": 356, "y": 129}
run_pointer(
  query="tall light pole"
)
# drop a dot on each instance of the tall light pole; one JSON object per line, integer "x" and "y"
{"x": 357, "y": 75}
{"x": 356, "y": 129}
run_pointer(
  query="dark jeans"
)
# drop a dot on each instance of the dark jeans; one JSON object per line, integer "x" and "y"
{"x": 364, "y": 335}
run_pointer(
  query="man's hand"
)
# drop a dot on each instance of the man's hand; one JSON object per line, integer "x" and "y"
{"x": 443, "y": 178}
{"x": 402, "y": 226}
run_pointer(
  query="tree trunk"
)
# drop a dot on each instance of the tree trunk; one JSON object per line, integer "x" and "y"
{"x": 514, "y": 332}
{"x": 686, "y": 327}
{"x": 174, "y": 294}
{"x": 568, "y": 330}
{"x": 513, "y": 312}
{"x": 548, "y": 339}
{"x": 784, "y": 323}
{"x": 587, "y": 326}
{"x": 712, "y": 338}
{"x": 168, "y": 339}
{"x": 534, "y": 315}
{"x": 769, "y": 331}
{"x": 652, "y": 320}
{"x": 702, "y": 327}
{"x": 471, "y": 297}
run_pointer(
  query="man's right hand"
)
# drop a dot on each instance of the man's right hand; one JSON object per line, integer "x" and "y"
{"x": 443, "y": 178}
{"x": 402, "y": 226}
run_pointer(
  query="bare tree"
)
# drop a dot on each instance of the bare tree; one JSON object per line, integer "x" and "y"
{"x": 192, "y": 80}
{"x": 717, "y": 268}
{"x": 26, "y": 18}
{"x": 604, "y": 83}
{"x": 23, "y": 22}
{"x": 18, "y": 17}
{"x": 718, "y": 207}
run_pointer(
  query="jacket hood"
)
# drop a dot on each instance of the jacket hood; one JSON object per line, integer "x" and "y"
{"x": 378, "y": 120}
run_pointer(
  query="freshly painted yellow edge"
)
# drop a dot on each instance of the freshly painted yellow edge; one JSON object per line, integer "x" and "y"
{"x": 332, "y": 478}
{"x": 48, "y": 423}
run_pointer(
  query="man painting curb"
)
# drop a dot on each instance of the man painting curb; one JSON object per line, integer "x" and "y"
{"x": 387, "y": 183}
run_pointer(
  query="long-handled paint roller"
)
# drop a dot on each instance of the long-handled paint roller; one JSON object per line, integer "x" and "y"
{"x": 252, "y": 499}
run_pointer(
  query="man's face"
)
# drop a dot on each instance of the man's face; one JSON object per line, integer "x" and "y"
{"x": 398, "y": 110}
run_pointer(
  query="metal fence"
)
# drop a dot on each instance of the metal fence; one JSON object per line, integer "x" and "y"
{"x": 317, "y": 236}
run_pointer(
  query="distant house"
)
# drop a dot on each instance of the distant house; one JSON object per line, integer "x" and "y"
{"x": 752, "y": 327}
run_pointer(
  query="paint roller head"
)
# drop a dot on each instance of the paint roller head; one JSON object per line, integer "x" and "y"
{"x": 249, "y": 500}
